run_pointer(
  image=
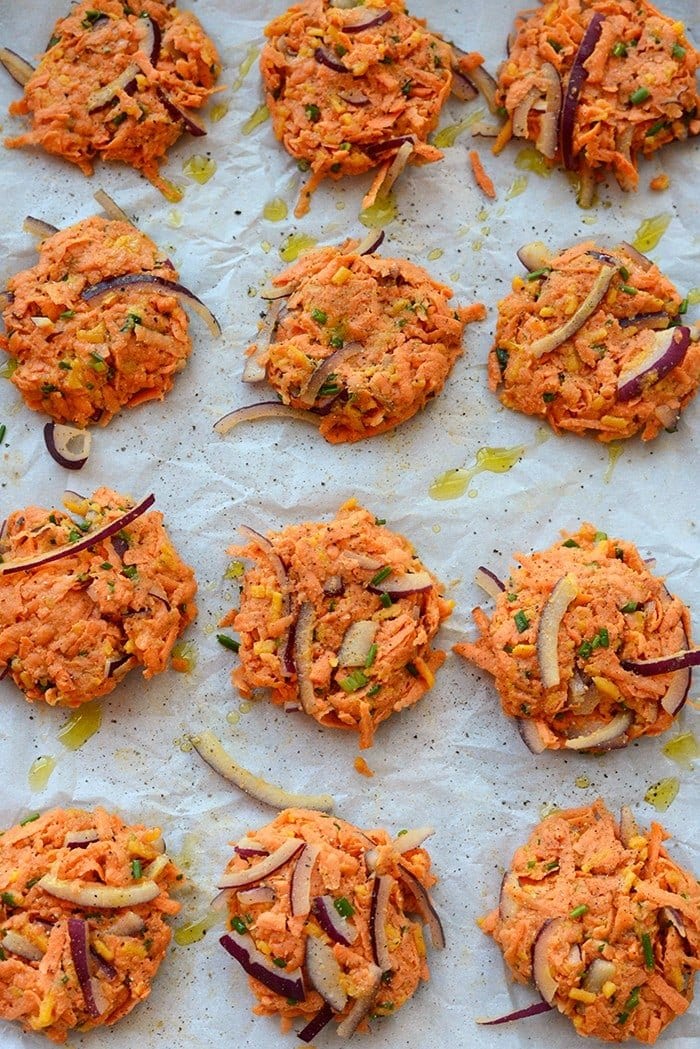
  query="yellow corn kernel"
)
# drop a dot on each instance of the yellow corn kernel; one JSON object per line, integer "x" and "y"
{"x": 341, "y": 276}
{"x": 628, "y": 880}
{"x": 606, "y": 688}
{"x": 103, "y": 950}
{"x": 614, "y": 422}
{"x": 46, "y": 1012}
{"x": 360, "y": 68}
{"x": 93, "y": 335}
{"x": 512, "y": 69}
{"x": 134, "y": 950}
{"x": 315, "y": 31}
{"x": 259, "y": 590}
{"x": 570, "y": 305}
{"x": 393, "y": 936}
{"x": 521, "y": 651}
{"x": 599, "y": 335}
{"x": 362, "y": 892}
{"x": 609, "y": 989}
{"x": 417, "y": 934}
{"x": 678, "y": 28}
{"x": 276, "y": 603}
{"x": 517, "y": 284}
{"x": 346, "y": 119}
{"x": 579, "y": 995}
{"x": 424, "y": 671}
{"x": 264, "y": 947}
{"x": 547, "y": 311}
{"x": 312, "y": 929}
{"x": 637, "y": 842}
{"x": 264, "y": 646}
{"x": 597, "y": 403}
{"x": 676, "y": 979}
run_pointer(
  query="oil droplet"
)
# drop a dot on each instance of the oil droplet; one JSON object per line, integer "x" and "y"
{"x": 454, "y": 276}
{"x": 175, "y": 218}
{"x": 259, "y": 116}
{"x": 188, "y": 851}
{"x": 454, "y": 483}
{"x": 195, "y": 931}
{"x": 447, "y": 136}
{"x": 295, "y": 245}
{"x": 233, "y": 717}
{"x": 590, "y": 220}
{"x": 548, "y": 808}
{"x": 275, "y": 210}
{"x": 80, "y": 726}
{"x": 9, "y": 368}
{"x": 436, "y": 253}
{"x": 517, "y": 186}
{"x": 683, "y": 750}
{"x": 530, "y": 159}
{"x": 218, "y": 112}
{"x": 379, "y": 214}
{"x": 171, "y": 192}
{"x": 266, "y": 246}
{"x": 615, "y": 449}
{"x": 693, "y": 296}
{"x": 650, "y": 232}
{"x": 235, "y": 570}
{"x": 340, "y": 205}
{"x": 485, "y": 230}
{"x": 183, "y": 743}
{"x": 542, "y": 434}
{"x": 437, "y": 529}
{"x": 245, "y": 708}
{"x": 661, "y": 794}
{"x": 477, "y": 244}
{"x": 40, "y": 771}
{"x": 582, "y": 782}
{"x": 184, "y": 657}
{"x": 482, "y": 215}
{"x": 199, "y": 167}
{"x": 245, "y": 66}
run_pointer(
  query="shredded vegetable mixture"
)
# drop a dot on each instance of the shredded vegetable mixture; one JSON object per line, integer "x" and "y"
{"x": 603, "y": 921}
{"x": 71, "y": 630}
{"x": 82, "y": 360}
{"x": 67, "y": 965}
{"x": 330, "y": 923}
{"x": 596, "y": 84}
{"x": 610, "y": 369}
{"x": 615, "y": 611}
{"x": 382, "y": 331}
{"x": 346, "y": 86}
{"x": 118, "y": 82}
{"x": 337, "y": 618}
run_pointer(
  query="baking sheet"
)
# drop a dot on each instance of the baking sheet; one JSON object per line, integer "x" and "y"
{"x": 453, "y": 761}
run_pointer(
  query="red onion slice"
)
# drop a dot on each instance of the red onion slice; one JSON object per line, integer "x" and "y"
{"x": 38, "y": 228}
{"x": 95, "y": 1001}
{"x": 322, "y": 1018}
{"x": 409, "y": 583}
{"x": 261, "y": 541}
{"x": 462, "y": 87}
{"x": 94, "y": 894}
{"x": 110, "y": 207}
{"x": 563, "y": 593}
{"x": 519, "y": 1014}
{"x": 37, "y": 560}
{"x": 19, "y": 69}
{"x": 309, "y": 392}
{"x": 17, "y": 944}
{"x": 79, "y": 839}
{"x": 663, "y": 664}
{"x": 260, "y": 894}
{"x": 600, "y": 972}
{"x": 372, "y": 149}
{"x": 530, "y": 735}
{"x": 547, "y": 139}
{"x": 326, "y": 58}
{"x": 396, "y": 168}
{"x": 270, "y": 864}
{"x": 381, "y": 891}
{"x": 332, "y": 923}
{"x": 660, "y": 320}
{"x": 257, "y": 965}
{"x": 67, "y": 445}
{"x": 666, "y": 350}
{"x": 191, "y": 125}
{"x": 677, "y": 692}
{"x": 675, "y": 918}
{"x": 488, "y": 582}
{"x": 577, "y": 78}
{"x": 555, "y": 338}
{"x": 254, "y": 368}
{"x": 486, "y": 85}
{"x": 368, "y": 19}
{"x": 426, "y": 908}
{"x": 522, "y": 112}
{"x": 541, "y": 972}
{"x": 98, "y": 99}
{"x": 324, "y": 973}
{"x": 167, "y": 287}
{"x": 605, "y": 735}
{"x": 300, "y": 886}
{"x": 357, "y": 642}
{"x": 369, "y": 244}
{"x": 412, "y": 839}
{"x": 362, "y": 1006}
{"x": 507, "y": 905}
{"x": 262, "y": 410}
{"x": 636, "y": 256}
{"x": 246, "y": 848}
{"x": 128, "y": 924}
{"x": 354, "y": 97}
{"x": 303, "y": 656}
{"x": 535, "y": 256}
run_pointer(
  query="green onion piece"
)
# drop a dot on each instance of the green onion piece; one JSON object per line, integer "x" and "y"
{"x": 678, "y": 52}
{"x": 536, "y": 274}
{"x": 3, "y": 431}
{"x": 628, "y": 289}
{"x": 313, "y": 113}
{"x": 570, "y": 543}
{"x": 619, "y": 49}
{"x": 343, "y": 906}
{"x": 648, "y": 950}
{"x": 554, "y": 44}
{"x": 578, "y": 912}
{"x": 631, "y": 1003}
{"x": 552, "y": 865}
{"x": 354, "y": 681}
{"x": 385, "y": 600}
{"x": 228, "y": 642}
{"x": 502, "y": 357}
{"x": 130, "y": 571}
{"x": 67, "y": 315}
{"x": 521, "y": 621}
{"x": 280, "y": 963}
{"x": 549, "y": 397}
{"x": 320, "y": 316}
{"x": 382, "y": 520}
{"x": 29, "y": 819}
{"x": 8, "y": 899}
{"x": 640, "y": 95}
{"x": 380, "y": 576}
{"x": 655, "y": 128}
{"x": 136, "y": 869}
{"x": 630, "y": 606}
{"x": 374, "y": 690}
{"x": 599, "y": 537}
{"x": 683, "y": 308}
{"x": 371, "y": 656}
{"x": 238, "y": 924}
{"x": 624, "y": 272}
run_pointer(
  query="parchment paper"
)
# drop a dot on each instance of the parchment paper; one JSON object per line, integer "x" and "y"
{"x": 454, "y": 761}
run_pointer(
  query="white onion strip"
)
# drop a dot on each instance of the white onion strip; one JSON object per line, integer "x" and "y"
{"x": 300, "y": 887}
{"x": 303, "y": 656}
{"x": 426, "y": 908}
{"x": 210, "y": 750}
{"x": 94, "y": 894}
{"x": 381, "y": 891}
{"x": 110, "y": 207}
{"x": 262, "y": 410}
{"x": 362, "y": 1006}
{"x": 604, "y": 735}
{"x": 412, "y": 839}
{"x": 17, "y": 944}
{"x": 559, "y": 600}
{"x": 260, "y": 894}
{"x": 489, "y": 582}
{"x": 555, "y": 338}
{"x": 271, "y": 863}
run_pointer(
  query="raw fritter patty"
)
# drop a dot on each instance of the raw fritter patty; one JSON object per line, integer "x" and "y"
{"x": 605, "y": 924}
{"x": 636, "y": 89}
{"x": 616, "y": 611}
{"x": 71, "y": 630}
{"x": 83, "y": 902}
{"x": 390, "y": 81}
{"x": 584, "y": 384}
{"x": 338, "y": 882}
{"x": 117, "y": 82}
{"x": 338, "y": 617}
{"x": 382, "y": 330}
{"x": 82, "y": 361}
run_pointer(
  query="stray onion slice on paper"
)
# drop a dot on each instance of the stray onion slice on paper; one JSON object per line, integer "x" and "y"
{"x": 210, "y": 750}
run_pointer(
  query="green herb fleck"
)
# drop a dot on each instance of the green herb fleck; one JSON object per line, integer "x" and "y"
{"x": 374, "y": 690}
{"x": 67, "y": 315}
{"x": 536, "y": 274}
{"x": 320, "y": 316}
{"x": 65, "y": 366}
{"x": 406, "y": 88}
{"x": 648, "y": 950}
{"x": 52, "y": 42}
{"x": 548, "y": 397}
{"x": 655, "y": 128}
{"x": 8, "y": 899}
{"x": 29, "y": 819}
{"x": 343, "y": 906}
{"x": 683, "y": 308}
{"x": 552, "y": 865}
{"x": 90, "y": 18}
{"x": 132, "y": 319}
{"x": 578, "y": 912}
{"x": 371, "y": 656}
{"x": 628, "y": 289}
{"x": 678, "y": 52}
{"x": 571, "y": 543}
{"x": 380, "y": 520}
{"x": 280, "y": 963}
{"x": 631, "y": 606}
{"x": 521, "y": 621}
{"x": 130, "y": 571}
{"x": 631, "y": 1003}
{"x": 336, "y": 341}
{"x": 385, "y": 600}
{"x": 619, "y": 49}
{"x": 354, "y": 681}
{"x": 228, "y": 642}
{"x": 640, "y": 95}
{"x": 599, "y": 537}
{"x": 48, "y": 387}
{"x": 554, "y": 44}
{"x": 313, "y": 113}
{"x": 380, "y": 576}
{"x": 136, "y": 869}
{"x": 3, "y": 431}
{"x": 502, "y": 357}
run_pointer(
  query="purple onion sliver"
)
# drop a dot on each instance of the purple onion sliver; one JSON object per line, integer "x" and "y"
{"x": 257, "y": 966}
{"x": 369, "y": 20}
{"x": 168, "y": 287}
{"x": 519, "y": 1014}
{"x": 373, "y": 148}
{"x": 102, "y": 963}
{"x": 669, "y": 351}
{"x": 659, "y": 320}
{"x": 19, "y": 69}
{"x": 195, "y": 129}
{"x": 663, "y": 664}
{"x": 327, "y": 58}
{"x": 316, "y": 1025}
{"x": 78, "y": 937}
{"x": 577, "y": 78}
{"x": 247, "y": 854}
{"x": 330, "y": 921}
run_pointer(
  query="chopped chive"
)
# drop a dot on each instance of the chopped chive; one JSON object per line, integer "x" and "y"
{"x": 320, "y": 316}
{"x": 624, "y": 272}
{"x": 552, "y": 865}
{"x": 228, "y": 642}
{"x": 648, "y": 950}
{"x": 521, "y": 621}
{"x": 130, "y": 571}
{"x": 354, "y": 681}
{"x": 382, "y": 520}
{"x": 570, "y": 543}
{"x": 548, "y": 397}
{"x": 374, "y": 690}
{"x": 3, "y": 431}
{"x": 8, "y": 899}
{"x": 29, "y": 819}
{"x": 238, "y": 924}
{"x": 385, "y": 600}
{"x": 52, "y": 42}
{"x": 678, "y": 52}
{"x": 619, "y": 49}
{"x": 502, "y": 357}
{"x": 337, "y": 342}
{"x": 67, "y": 315}
{"x": 640, "y": 95}
{"x": 280, "y": 963}
{"x": 90, "y": 18}
{"x": 106, "y": 565}
{"x": 578, "y": 912}
{"x": 74, "y": 535}
{"x": 136, "y": 869}
{"x": 554, "y": 44}
{"x": 48, "y": 387}
{"x": 343, "y": 906}
{"x": 631, "y": 1003}
{"x": 536, "y": 274}
{"x": 628, "y": 289}
{"x": 655, "y": 128}
{"x": 599, "y": 537}
{"x": 380, "y": 576}
{"x": 313, "y": 113}
{"x": 683, "y": 308}
{"x": 406, "y": 88}
{"x": 371, "y": 656}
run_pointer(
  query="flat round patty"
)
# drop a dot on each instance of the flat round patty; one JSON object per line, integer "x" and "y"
{"x": 601, "y": 919}
{"x": 118, "y": 82}
{"x": 334, "y": 917}
{"x": 561, "y": 637}
{"x": 83, "y": 903}
{"x": 82, "y": 359}
{"x": 593, "y": 341}
{"x": 363, "y": 341}
{"x": 71, "y": 629}
{"x": 337, "y": 618}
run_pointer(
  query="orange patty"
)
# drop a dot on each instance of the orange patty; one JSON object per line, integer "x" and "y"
{"x": 83, "y": 902}
{"x": 118, "y": 82}
{"x": 70, "y": 630}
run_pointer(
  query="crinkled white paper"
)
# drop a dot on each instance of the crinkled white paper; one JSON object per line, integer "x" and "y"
{"x": 453, "y": 761}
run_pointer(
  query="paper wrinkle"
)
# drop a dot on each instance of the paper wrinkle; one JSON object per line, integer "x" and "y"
{"x": 452, "y": 761}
